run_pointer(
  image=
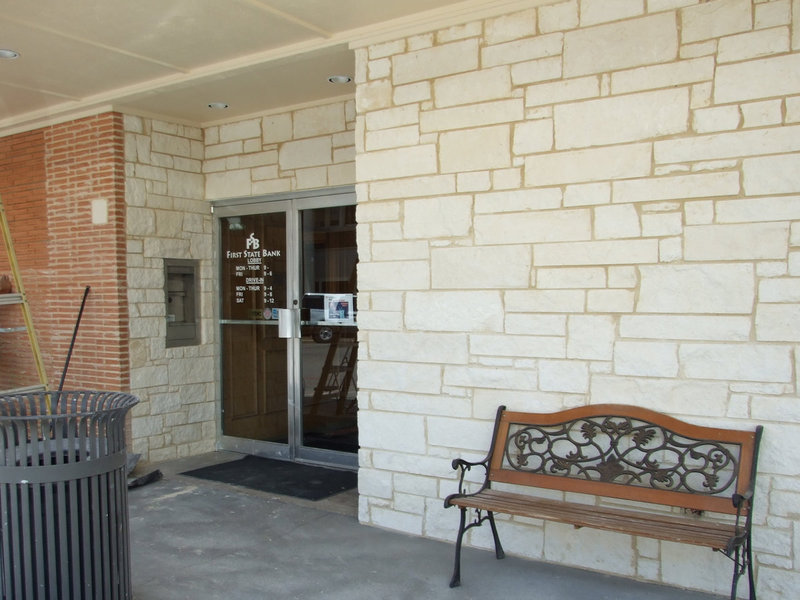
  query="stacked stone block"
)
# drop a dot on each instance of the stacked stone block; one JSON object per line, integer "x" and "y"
{"x": 168, "y": 217}
{"x": 581, "y": 202}
{"x": 306, "y": 148}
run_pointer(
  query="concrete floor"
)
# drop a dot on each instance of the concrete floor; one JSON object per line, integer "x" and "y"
{"x": 193, "y": 539}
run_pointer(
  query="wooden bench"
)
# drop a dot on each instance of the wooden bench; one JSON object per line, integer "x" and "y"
{"x": 623, "y": 452}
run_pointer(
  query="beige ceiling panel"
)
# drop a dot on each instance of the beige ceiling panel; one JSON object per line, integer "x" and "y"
{"x": 62, "y": 66}
{"x": 344, "y": 15}
{"x": 184, "y": 33}
{"x": 265, "y": 88}
{"x": 13, "y": 97}
{"x": 170, "y": 58}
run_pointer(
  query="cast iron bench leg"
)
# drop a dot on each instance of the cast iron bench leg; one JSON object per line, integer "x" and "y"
{"x": 498, "y": 547}
{"x": 455, "y": 580}
{"x": 743, "y": 559}
{"x": 737, "y": 570}
{"x": 749, "y": 557}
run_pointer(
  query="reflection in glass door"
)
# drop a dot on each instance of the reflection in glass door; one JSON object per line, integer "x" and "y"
{"x": 254, "y": 281}
{"x": 329, "y": 345}
{"x": 288, "y": 310}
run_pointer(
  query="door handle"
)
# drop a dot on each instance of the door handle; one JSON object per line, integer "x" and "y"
{"x": 288, "y": 322}
{"x": 285, "y": 319}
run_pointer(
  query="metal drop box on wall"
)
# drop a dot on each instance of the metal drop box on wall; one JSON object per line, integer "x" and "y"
{"x": 181, "y": 290}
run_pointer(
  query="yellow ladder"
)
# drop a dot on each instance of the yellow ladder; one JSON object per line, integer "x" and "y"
{"x": 21, "y": 299}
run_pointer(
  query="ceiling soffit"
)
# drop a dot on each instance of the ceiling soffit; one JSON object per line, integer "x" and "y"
{"x": 170, "y": 59}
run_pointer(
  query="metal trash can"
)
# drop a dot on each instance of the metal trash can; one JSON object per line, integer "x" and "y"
{"x": 64, "y": 496}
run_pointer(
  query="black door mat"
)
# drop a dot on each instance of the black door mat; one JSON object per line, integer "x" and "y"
{"x": 279, "y": 477}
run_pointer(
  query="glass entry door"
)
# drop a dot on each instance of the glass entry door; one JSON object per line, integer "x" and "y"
{"x": 288, "y": 308}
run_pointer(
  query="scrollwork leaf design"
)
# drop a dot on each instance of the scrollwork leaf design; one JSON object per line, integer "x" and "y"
{"x": 643, "y": 436}
{"x": 589, "y": 430}
{"x": 624, "y": 450}
{"x": 616, "y": 428}
{"x": 610, "y": 469}
{"x": 663, "y": 476}
{"x": 711, "y": 481}
{"x": 650, "y": 464}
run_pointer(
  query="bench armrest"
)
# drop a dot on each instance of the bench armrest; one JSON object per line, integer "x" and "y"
{"x": 463, "y": 466}
{"x": 740, "y": 499}
{"x": 460, "y": 463}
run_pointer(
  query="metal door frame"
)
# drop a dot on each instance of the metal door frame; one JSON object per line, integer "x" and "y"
{"x": 291, "y": 203}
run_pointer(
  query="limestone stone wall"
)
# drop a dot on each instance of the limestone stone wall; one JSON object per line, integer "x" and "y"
{"x": 581, "y": 202}
{"x": 168, "y": 217}
{"x": 300, "y": 149}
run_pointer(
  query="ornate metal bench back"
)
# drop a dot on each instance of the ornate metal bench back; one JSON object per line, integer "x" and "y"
{"x": 603, "y": 448}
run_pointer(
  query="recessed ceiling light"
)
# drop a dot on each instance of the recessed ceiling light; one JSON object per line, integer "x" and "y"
{"x": 218, "y": 105}
{"x": 340, "y": 79}
{"x": 9, "y": 54}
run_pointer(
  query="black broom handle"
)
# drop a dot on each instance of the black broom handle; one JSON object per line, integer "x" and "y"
{"x": 72, "y": 343}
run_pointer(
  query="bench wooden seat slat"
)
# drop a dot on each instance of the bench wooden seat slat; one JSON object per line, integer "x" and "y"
{"x": 687, "y": 530}
{"x": 624, "y": 453}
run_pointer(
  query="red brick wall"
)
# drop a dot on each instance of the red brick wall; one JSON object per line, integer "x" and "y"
{"x": 22, "y": 182}
{"x": 48, "y": 180}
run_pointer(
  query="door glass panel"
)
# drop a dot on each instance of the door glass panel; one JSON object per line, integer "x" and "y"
{"x": 329, "y": 345}
{"x": 254, "y": 358}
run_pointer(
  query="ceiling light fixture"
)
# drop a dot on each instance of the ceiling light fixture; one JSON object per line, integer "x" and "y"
{"x": 340, "y": 79}
{"x": 8, "y": 53}
{"x": 218, "y": 105}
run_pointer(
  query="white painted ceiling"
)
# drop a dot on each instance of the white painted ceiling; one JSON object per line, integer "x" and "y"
{"x": 170, "y": 58}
